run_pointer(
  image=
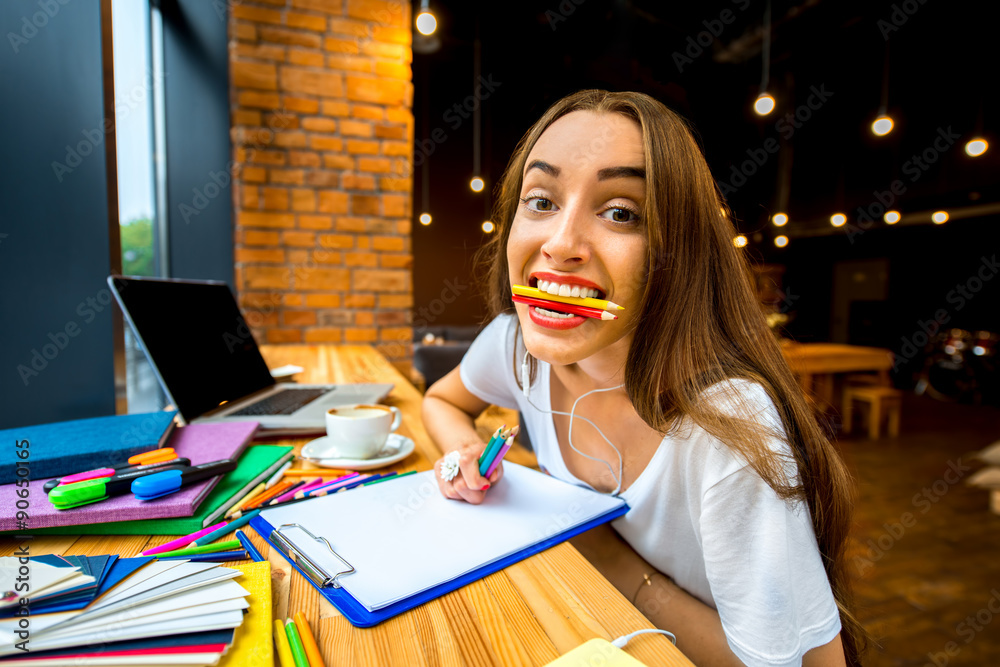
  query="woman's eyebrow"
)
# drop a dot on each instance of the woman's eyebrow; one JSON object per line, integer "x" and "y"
{"x": 621, "y": 172}
{"x": 549, "y": 169}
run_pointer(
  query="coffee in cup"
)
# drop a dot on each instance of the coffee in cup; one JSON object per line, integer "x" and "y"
{"x": 359, "y": 431}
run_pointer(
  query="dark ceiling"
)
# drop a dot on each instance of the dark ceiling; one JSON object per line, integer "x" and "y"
{"x": 940, "y": 83}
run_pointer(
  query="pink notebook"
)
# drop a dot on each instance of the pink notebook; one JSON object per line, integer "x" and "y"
{"x": 202, "y": 443}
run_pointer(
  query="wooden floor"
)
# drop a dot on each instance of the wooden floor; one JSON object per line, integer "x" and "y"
{"x": 925, "y": 549}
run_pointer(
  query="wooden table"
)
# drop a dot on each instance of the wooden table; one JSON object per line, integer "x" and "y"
{"x": 816, "y": 365}
{"x": 527, "y": 614}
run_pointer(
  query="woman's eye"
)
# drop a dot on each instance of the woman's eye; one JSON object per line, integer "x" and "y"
{"x": 538, "y": 203}
{"x": 621, "y": 215}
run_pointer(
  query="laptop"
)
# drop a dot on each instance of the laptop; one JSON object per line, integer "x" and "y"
{"x": 209, "y": 365}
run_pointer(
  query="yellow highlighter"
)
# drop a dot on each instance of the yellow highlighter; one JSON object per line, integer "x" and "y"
{"x": 536, "y": 293}
{"x": 281, "y": 643}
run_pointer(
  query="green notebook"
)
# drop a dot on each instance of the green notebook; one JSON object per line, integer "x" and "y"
{"x": 256, "y": 464}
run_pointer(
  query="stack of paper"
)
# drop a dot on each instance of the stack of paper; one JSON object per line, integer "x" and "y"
{"x": 163, "y": 612}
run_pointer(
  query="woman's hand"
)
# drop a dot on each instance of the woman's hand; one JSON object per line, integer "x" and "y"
{"x": 468, "y": 484}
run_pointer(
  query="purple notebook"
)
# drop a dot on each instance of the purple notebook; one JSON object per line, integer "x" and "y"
{"x": 202, "y": 443}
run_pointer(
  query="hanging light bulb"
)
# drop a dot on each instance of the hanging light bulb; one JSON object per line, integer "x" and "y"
{"x": 764, "y": 104}
{"x": 882, "y": 126}
{"x": 739, "y": 241}
{"x": 781, "y": 241}
{"x": 838, "y": 219}
{"x": 891, "y": 217}
{"x": 425, "y": 219}
{"x": 488, "y": 227}
{"x": 939, "y": 217}
{"x": 976, "y": 147}
{"x": 779, "y": 219}
{"x": 426, "y": 21}
{"x": 477, "y": 184}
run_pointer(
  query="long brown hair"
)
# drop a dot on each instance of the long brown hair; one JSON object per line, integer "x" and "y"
{"x": 700, "y": 325}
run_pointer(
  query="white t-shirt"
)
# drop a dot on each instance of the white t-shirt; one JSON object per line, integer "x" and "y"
{"x": 698, "y": 513}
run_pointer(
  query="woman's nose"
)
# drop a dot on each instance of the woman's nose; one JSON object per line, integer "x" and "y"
{"x": 568, "y": 243}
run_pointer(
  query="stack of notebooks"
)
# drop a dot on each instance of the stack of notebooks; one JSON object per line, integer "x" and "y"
{"x": 190, "y": 509}
{"x": 107, "y": 610}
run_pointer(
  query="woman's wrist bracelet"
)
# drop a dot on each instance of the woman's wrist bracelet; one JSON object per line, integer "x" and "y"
{"x": 647, "y": 580}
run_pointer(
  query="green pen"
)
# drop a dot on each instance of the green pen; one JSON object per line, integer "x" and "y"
{"x": 66, "y": 496}
{"x": 207, "y": 549}
{"x": 295, "y": 640}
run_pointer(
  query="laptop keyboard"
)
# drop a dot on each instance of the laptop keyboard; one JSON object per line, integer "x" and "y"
{"x": 283, "y": 403}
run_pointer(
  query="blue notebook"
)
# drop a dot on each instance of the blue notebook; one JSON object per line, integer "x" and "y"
{"x": 64, "y": 448}
{"x": 377, "y": 551}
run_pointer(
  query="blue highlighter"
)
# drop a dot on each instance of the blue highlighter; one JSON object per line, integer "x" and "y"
{"x": 159, "y": 484}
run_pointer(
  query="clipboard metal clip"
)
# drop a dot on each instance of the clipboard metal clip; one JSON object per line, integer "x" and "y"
{"x": 315, "y": 572}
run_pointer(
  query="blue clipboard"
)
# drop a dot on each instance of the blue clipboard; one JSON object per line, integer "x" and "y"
{"x": 360, "y": 617}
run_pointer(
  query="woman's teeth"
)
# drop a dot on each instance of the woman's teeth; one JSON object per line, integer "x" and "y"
{"x": 557, "y": 289}
{"x": 552, "y": 313}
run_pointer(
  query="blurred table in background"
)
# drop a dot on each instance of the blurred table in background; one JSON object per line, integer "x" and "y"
{"x": 817, "y": 364}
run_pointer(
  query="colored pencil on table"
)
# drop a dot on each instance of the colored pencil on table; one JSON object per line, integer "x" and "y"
{"x": 226, "y": 529}
{"x": 337, "y": 482}
{"x": 381, "y": 478}
{"x": 244, "y": 500}
{"x": 308, "y": 640}
{"x": 290, "y": 491}
{"x": 585, "y": 311}
{"x": 390, "y": 476}
{"x": 295, "y": 641}
{"x": 276, "y": 477}
{"x": 215, "y": 557}
{"x": 297, "y": 491}
{"x": 273, "y": 492}
{"x": 589, "y": 302}
{"x": 182, "y": 541}
{"x": 324, "y": 473}
{"x": 281, "y": 643}
{"x": 206, "y": 549}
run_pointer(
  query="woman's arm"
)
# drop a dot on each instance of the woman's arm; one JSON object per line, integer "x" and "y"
{"x": 668, "y": 606}
{"x": 448, "y": 412}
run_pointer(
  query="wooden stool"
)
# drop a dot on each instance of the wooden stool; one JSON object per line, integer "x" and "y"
{"x": 880, "y": 400}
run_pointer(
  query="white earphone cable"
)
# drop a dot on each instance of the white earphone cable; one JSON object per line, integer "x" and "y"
{"x": 525, "y": 387}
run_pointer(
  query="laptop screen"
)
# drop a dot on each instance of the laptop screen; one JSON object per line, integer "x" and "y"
{"x": 197, "y": 339}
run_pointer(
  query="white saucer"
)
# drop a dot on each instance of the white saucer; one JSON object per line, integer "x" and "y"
{"x": 397, "y": 447}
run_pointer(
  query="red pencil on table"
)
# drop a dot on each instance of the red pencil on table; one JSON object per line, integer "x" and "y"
{"x": 585, "y": 311}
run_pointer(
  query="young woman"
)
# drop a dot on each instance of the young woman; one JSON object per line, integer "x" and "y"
{"x": 739, "y": 504}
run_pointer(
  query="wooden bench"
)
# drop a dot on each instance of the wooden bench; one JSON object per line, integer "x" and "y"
{"x": 881, "y": 401}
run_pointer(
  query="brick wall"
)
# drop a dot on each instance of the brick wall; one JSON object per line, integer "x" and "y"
{"x": 322, "y": 133}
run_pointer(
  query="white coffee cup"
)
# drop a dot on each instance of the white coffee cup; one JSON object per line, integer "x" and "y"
{"x": 359, "y": 431}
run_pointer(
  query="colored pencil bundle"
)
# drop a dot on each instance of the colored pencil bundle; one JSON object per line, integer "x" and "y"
{"x": 495, "y": 450}
{"x": 295, "y": 643}
{"x": 585, "y": 311}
